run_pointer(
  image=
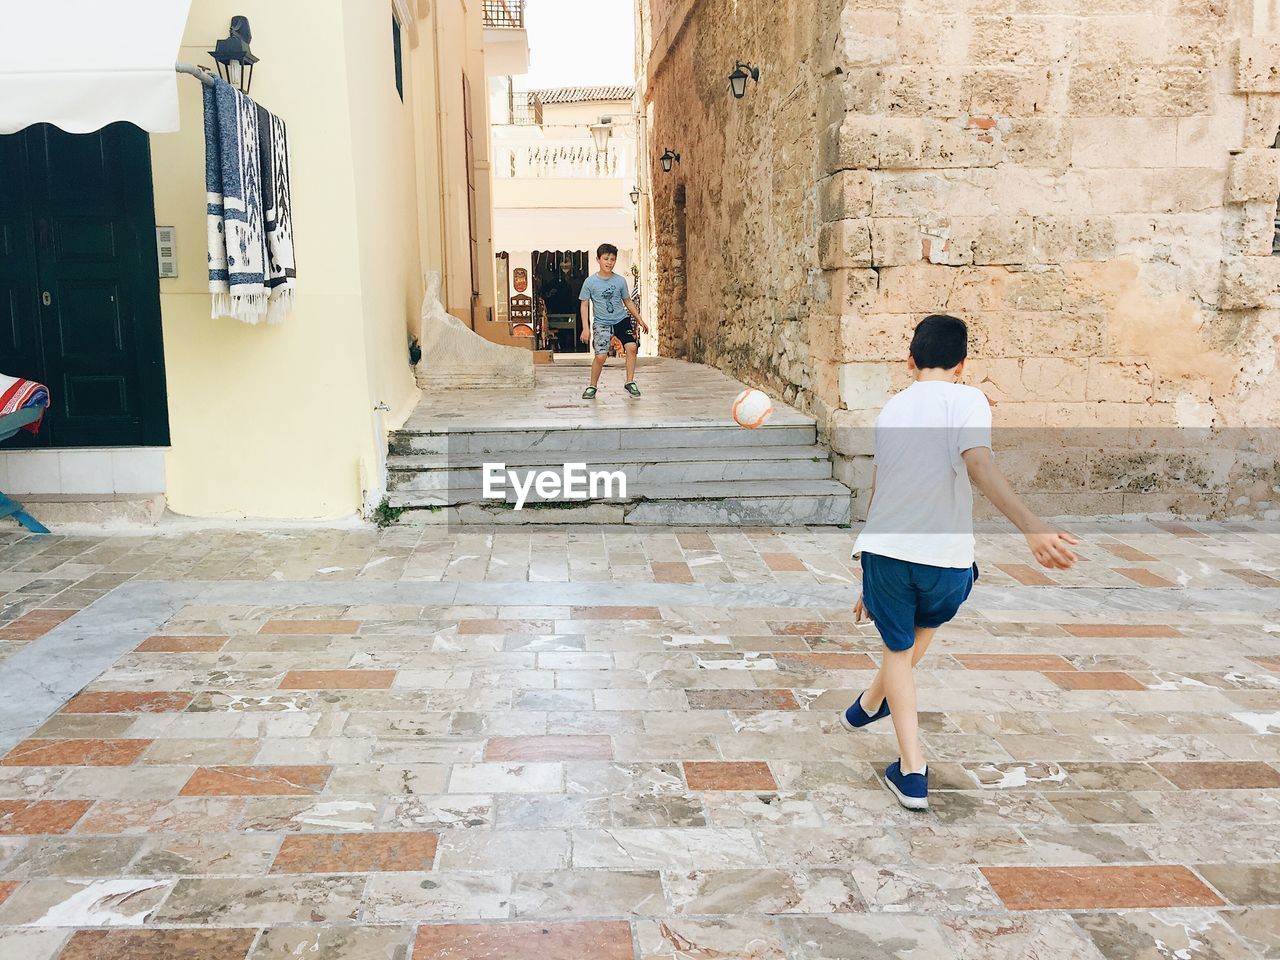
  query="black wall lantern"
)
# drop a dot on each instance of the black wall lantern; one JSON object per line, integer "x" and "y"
{"x": 235, "y": 62}
{"x": 738, "y": 79}
{"x": 635, "y": 194}
{"x": 668, "y": 157}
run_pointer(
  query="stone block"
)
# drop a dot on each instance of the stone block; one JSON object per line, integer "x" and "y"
{"x": 1035, "y": 142}
{"x": 1187, "y": 190}
{"x": 895, "y": 241}
{"x": 1251, "y": 229}
{"x": 853, "y": 432}
{"x": 1072, "y": 239}
{"x": 845, "y": 243}
{"x": 866, "y": 37}
{"x": 1250, "y": 282}
{"x": 1126, "y": 90}
{"x": 1254, "y": 175}
{"x": 994, "y": 240}
{"x": 865, "y": 386}
{"x": 1262, "y": 121}
{"x": 915, "y": 289}
{"x": 853, "y": 144}
{"x": 932, "y": 91}
{"x": 844, "y": 196}
{"x": 1024, "y": 40}
{"x": 1258, "y": 65}
{"x": 847, "y": 291}
{"x": 1123, "y": 141}
{"x": 937, "y": 246}
{"x": 1207, "y": 141}
{"x": 855, "y": 473}
{"x": 1034, "y": 378}
{"x": 1126, "y": 190}
{"x": 1119, "y": 381}
{"x": 872, "y": 336}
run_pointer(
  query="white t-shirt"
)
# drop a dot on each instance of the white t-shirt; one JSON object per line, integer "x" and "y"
{"x": 922, "y": 510}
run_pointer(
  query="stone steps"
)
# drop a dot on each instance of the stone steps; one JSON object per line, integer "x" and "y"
{"x": 585, "y": 440}
{"x": 645, "y": 467}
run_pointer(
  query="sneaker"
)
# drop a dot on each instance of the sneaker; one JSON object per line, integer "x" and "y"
{"x": 856, "y": 717}
{"x": 589, "y": 393}
{"x": 911, "y": 789}
{"x": 632, "y": 389}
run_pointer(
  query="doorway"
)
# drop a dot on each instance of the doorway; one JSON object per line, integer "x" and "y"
{"x": 79, "y": 284}
{"x": 558, "y": 276}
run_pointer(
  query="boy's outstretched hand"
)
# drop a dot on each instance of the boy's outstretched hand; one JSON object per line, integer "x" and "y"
{"x": 860, "y": 611}
{"x": 1052, "y": 548}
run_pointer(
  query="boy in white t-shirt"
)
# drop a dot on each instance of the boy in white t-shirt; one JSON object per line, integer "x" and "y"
{"x": 931, "y": 440}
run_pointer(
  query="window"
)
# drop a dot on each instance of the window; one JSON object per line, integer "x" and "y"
{"x": 399, "y": 56}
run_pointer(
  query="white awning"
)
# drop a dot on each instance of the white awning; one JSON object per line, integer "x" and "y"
{"x": 82, "y": 64}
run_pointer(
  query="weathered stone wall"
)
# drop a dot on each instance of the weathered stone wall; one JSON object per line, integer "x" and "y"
{"x": 1091, "y": 184}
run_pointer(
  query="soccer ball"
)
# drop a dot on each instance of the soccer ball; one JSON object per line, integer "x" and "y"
{"x": 751, "y": 408}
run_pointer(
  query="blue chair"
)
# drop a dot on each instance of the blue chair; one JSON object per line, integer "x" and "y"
{"x": 10, "y": 424}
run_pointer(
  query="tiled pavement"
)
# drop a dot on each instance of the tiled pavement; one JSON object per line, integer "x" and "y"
{"x": 423, "y": 744}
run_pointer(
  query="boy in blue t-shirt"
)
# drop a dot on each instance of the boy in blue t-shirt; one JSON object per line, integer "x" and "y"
{"x": 931, "y": 440}
{"x": 606, "y": 292}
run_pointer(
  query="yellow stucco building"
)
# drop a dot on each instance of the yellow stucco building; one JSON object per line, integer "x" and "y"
{"x": 387, "y": 124}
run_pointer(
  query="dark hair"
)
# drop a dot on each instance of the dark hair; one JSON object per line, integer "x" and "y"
{"x": 606, "y": 248}
{"x": 940, "y": 341}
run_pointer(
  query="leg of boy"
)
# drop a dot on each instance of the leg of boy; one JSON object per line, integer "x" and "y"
{"x": 631, "y": 362}
{"x": 873, "y": 696}
{"x": 900, "y": 688}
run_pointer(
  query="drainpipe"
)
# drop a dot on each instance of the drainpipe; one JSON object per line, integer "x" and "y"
{"x": 440, "y": 137}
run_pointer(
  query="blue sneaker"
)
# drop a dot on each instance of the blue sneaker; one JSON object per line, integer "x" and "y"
{"x": 911, "y": 789}
{"x": 856, "y": 717}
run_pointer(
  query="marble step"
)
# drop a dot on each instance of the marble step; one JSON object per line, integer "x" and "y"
{"x": 589, "y": 439}
{"x": 692, "y": 490}
{"x": 742, "y": 503}
{"x": 676, "y": 465}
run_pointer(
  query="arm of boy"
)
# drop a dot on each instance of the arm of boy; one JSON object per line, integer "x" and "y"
{"x": 1051, "y": 547}
{"x": 585, "y": 310}
{"x": 635, "y": 314}
{"x": 860, "y": 614}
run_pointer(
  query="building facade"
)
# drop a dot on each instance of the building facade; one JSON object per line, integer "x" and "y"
{"x": 387, "y": 121}
{"x": 1092, "y": 186}
{"x": 556, "y": 196}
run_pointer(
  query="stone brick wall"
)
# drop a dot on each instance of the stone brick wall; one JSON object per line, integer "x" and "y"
{"x": 1091, "y": 184}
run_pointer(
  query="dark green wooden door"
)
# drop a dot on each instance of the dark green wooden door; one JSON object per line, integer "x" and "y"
{"x": 79, "y": 294}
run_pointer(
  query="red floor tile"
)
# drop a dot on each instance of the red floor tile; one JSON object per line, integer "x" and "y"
{"x": 34, "y": 625}
{"x": 783, "y": 562}
{"x": 1013, "y": 661}
{"x": 553, "y": 940}
{"x": 1131, "y": 554}
{"x": 110, "y": 701}
{"x": 256, "y": 781}
{"x": 533, "y": 749}
{"x": 78, "y": 753}
{"x": 7, "y": 887}
{"x": 615, "y": 613}
{"x": 695, "y": 541}
{"x": 742, "y": 700}
{"x": 206, "y": 944}
{"x": 812, "y": 628}
{"x": 356, "y": 853}
{"x": 824, "y": 661}
{"x": 1254, "y": 578}
{"x": 1026, "y": 575}
{"x": 1214, "y": 775}
{"x": 40, "y": 816}
{"x": 1093, "y": 680}
{"x": 1144, "y": 578}
{"x": 729, "y": 775}
{"x": 667, "y": 572}
{"x": 1099, "y": 888}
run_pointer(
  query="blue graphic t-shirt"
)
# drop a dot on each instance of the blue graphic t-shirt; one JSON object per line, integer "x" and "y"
{"x": 606, "y": 297}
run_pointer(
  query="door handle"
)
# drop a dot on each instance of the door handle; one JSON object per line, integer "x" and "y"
{"x": 46, "y": 298}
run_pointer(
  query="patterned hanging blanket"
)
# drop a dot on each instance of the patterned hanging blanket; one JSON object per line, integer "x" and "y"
{"x": 251, "y": 267}
{"x": 16, "y": 394}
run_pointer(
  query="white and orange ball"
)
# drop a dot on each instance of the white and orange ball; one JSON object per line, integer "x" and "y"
{"x": 751, "y": 408}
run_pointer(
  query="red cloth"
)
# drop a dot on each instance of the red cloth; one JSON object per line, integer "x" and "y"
{"x": 17, "y": 394}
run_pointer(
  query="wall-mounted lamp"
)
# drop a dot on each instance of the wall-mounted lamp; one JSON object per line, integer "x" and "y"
{"x": 235, "y": 61}
{"x": 738, "y": 79}
{"x": 668, "y": 157}
{"x": 635, "y": 194}
{"x": 600, "y": 133}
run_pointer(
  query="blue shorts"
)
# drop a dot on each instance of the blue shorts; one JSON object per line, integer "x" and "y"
{"x": 901, "y": 596}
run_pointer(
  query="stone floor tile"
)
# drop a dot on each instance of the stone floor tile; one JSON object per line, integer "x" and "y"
{"x": 338, "y": 680}
{"x": 203, "y": 855}
{"x": 1142, "y": 935}
{"x": 127, "y": 901}
{"x": 563, "y": 940}
{"x": 1105, "y": 887}
{"x": 1093, "y": 680}
{"x": 408, "y": 897}
{"x": 354, "y": 943}
{"x": 549, "y": 748}
{"x": 243, "y": 901}
{"x": 31, "y": 944}
{"x": 595, "y": 893}
{"x": 1044, "y": 936}
{"x": 678, "y": 938}
{"x": 186, "y": 815}
{"x": 310, "y": 627}
{"x": 865, "y": 937}
{"x": 1150, "y": 631}
{"x": 159, "y": 944}
{"x": 154, "y": 701}
{"x": 167, "y": 644}
{"x": 1259, "y": 927}
{"x": 73, "y": 857}
{"x": 1039, "y": 662}
{"x": 1245, "y": 884}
